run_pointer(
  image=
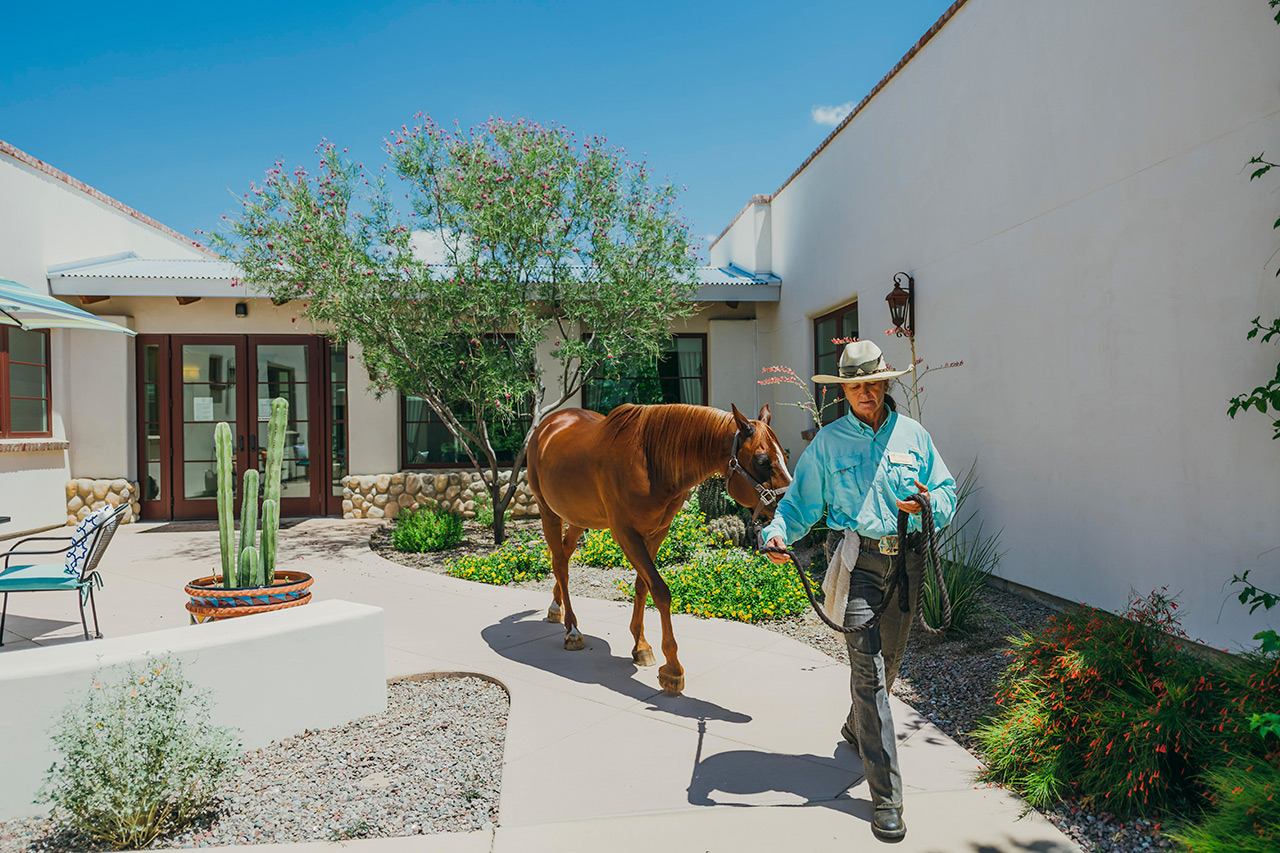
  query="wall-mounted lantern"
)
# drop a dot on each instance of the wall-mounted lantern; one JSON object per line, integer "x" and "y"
{"x": 902, "y": 305}
{"x": 242, "y": 309}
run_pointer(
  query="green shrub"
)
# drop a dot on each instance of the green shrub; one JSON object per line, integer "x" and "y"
{"x": 1245, "y": 811}
{"x": 968, "y": 559}
{"x": 687, "y": 536}
{"x": 1116, "y": 710}
{"x": 733, "y": 584}
{"x": 517, "y": 559}
{"x": 429, "y": 528}
{"x": 138, "y": 757}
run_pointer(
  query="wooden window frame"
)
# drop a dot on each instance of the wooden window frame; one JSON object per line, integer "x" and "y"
{"x": 838, "y": 314}
{"x": 6, "y": 415}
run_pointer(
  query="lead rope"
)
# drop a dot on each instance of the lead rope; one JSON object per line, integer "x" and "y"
{"x": 898, "y": 580}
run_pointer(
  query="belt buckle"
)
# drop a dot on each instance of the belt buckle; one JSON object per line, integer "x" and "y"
{"x": 889, "y": 545}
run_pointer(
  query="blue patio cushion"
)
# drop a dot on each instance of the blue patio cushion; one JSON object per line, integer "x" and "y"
{"x": 36, "y": 577}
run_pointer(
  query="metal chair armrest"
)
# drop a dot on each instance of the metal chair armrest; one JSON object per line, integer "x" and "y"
{"x": 42, "y": 539}
{"x": 9, "y": 554}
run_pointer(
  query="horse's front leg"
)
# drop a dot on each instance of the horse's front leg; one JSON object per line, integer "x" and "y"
{"x": 671, "y": 673}
{"x": 641, "y": 652}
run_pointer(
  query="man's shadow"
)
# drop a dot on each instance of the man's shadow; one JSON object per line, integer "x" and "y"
{"x": 524, "y": 641}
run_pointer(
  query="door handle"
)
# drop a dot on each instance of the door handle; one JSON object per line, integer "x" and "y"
{"x": 253, "y": 441}
{"x": 240, "y": 443}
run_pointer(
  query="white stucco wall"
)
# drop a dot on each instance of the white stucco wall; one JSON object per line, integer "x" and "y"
{"x": 1068, "y": 185}
{"x": 44, "y": 222}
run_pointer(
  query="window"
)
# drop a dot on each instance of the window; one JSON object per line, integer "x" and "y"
{"x": 25, "y": 399}
{"x": 841, "y": 323}
{"x": 678, "y": 375}
{"x": 337, "y": 415}
{"x": 427, "y": 443}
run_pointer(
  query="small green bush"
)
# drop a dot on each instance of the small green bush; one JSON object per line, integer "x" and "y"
{"x": 733, "y": 584}
{"x": 138, "y": 757}
{"x": 429, "y": 528}
{"x": 968, "y": 559}
{"x": 517, "y": 559}
{"x": 687, "y": 536}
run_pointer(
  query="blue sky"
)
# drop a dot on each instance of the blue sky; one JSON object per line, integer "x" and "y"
{"x": 168, "y": 108}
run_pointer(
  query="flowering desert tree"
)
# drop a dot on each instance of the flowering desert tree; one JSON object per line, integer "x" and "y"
{"x": 546, "y": 239}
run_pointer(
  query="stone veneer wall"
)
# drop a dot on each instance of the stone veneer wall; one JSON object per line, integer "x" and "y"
{"x": 85, "y": 494}
{"x": 384, "y": 495}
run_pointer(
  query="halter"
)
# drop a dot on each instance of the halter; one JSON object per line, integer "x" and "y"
{"x": 768, "y": 496}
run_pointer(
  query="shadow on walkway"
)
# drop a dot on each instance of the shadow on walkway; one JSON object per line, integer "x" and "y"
{"x": 524, "y": 641}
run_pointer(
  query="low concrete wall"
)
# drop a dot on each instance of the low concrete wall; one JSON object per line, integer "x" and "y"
{"x": 272, "y": 675}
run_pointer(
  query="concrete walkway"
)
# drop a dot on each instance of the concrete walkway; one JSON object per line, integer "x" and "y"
{"x": 597, "y": 756}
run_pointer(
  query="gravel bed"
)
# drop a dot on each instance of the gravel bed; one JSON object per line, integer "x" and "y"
{"x": 949, "y": 681}
{"x": 430, "y": 763}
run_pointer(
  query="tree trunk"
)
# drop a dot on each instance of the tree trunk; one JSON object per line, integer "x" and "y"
{"x": 499, "y": 512}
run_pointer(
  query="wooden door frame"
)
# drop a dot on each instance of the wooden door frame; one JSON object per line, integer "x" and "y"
{"x": 161, "y": 508}
{"x": 313, "y": 504}
{"x": 195, "y": 508}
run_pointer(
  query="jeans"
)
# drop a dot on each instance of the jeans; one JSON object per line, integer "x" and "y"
{"x": 874, "y": 657}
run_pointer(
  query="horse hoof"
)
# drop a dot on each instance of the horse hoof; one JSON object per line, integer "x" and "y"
{"x": 673, "y": 684}
{"x": 573, "y": 641}
{"x": 644, "y": 657}
{"x": 555, "y": 613}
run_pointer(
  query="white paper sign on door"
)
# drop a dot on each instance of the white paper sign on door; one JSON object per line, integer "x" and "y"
{"x": 202, "y": 408}
{"x": 264, "y": 409}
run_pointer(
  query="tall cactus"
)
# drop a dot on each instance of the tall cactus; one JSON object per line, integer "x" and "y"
{"x": 248, "y": 564}
{"x": 270, "y": 537}
{"x": 248, "y": 520}
{"x": 271, "y": 492}
{"x": 226, "y": 499}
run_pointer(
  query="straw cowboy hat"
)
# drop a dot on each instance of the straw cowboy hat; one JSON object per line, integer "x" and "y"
{"x": 861, "y": 361}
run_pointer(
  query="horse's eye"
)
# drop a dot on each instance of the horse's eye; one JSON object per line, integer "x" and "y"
{"x": 763, "y": 462}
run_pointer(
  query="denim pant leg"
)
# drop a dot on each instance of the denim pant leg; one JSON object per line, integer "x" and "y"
{"x": 874, "y": 657}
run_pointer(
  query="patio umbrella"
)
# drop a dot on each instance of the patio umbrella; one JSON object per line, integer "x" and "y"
{"x": 25, "y": 308}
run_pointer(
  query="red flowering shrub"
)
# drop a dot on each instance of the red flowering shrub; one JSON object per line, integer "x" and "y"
{"x": 1118, "y": 710}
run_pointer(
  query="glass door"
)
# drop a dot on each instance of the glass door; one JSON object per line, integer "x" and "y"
{"x": 286, "y": 367}
{"x": 209, "y": 385}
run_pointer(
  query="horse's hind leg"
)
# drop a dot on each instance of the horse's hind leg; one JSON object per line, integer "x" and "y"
{"x": 671, "y": 673}
{"x": 561, "y": 610}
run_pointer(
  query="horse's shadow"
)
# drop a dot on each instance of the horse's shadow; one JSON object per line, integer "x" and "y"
{"x": 524, "y": 641}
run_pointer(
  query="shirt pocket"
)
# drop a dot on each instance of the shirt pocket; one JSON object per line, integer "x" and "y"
{"x": 851, "y": 483}
{"x": 903, "y": 473}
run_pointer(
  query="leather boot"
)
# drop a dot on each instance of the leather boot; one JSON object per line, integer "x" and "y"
{"x": 887, "y": 824}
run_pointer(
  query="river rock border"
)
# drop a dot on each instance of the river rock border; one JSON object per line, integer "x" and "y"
{"x": 86, "y": 495}
{"x": 384, "y": 495}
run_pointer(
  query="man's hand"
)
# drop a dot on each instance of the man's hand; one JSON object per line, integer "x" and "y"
{"x": 912, "y": 506}
{"x": 776, "y": 542}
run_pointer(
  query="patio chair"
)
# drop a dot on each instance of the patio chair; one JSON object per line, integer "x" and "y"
{"x": 78, "y": 571}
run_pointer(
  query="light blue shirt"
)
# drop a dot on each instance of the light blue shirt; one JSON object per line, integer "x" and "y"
{"x": 858, "y": 474}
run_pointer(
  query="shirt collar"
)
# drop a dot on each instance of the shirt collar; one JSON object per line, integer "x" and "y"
{"x": 863, "y": 429}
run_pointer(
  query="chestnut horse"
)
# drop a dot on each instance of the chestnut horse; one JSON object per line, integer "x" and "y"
{"x": 631, "y": 472}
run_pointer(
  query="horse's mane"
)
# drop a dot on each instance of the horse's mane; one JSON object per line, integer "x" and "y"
{"x": 677, "y": 440}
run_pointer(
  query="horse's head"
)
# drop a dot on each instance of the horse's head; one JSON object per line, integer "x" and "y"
{"x": 757, "y": 475}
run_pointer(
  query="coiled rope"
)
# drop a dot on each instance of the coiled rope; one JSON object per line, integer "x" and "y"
{"x": 898, "y": 580}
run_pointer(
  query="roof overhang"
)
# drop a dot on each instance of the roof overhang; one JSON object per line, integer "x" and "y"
{"x": 195, "y": 278}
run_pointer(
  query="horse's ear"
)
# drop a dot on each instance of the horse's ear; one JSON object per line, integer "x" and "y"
{"x": 764, "y": 415}
{"x": 744, "y": 425}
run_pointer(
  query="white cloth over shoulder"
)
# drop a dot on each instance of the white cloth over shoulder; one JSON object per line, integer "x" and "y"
{"x": 835, "y": 585}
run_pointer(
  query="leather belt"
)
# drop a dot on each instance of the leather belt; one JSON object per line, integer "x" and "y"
{"x": 886, "y": 545}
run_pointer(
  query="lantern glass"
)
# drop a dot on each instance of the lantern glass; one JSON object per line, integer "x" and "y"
{"x": 898, "y": 300}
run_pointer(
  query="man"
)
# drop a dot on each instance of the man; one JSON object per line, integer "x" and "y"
{"x": 860, "y": 469}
